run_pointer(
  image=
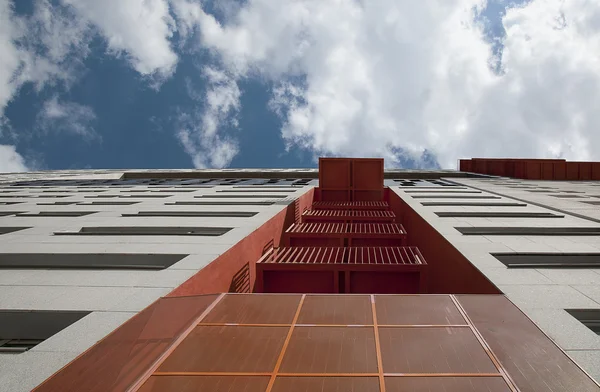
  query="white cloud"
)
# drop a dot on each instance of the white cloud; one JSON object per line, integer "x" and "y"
{"x": 10, "y": 160}
{"x": 199, "y": 132}
{"x": 71, "y": 117}
{"x": 370, "y": 78}
{"x": 138, "y": 29}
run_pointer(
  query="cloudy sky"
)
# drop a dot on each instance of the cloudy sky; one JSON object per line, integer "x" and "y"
{"x": 276, "y": 83}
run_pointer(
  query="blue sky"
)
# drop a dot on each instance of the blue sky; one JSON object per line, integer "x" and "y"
{"x": 248, "y": 91}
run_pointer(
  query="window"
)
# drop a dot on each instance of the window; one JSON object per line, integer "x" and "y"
{"x": 549, "y": 260}
{"x": 471, "y": 204}
{"x": 439, "y": 191}
{"x": 109, "y": 203}
{"x": 496, "y": 214}
{"x": 215, "y": 196}
{"x": 221, "y": 203}
{"x": 148, "y": 230}
{"x": 7, "y": 230}
{"x": 213, "y": 214}
{"x": 257, "y": 190}
{"x": 88, "y": 261}
{"x": 56, "y": 213}
{"x": 568, "y": 196}
{"x": 588, "y": 317}
{"x": 454, "y": 197}
{"x": 58, "y": 203}
{"x": 529, "y": 230}
{"x": 9, "y": 213}
{"x": 142, "y": 196}
{"x": 21, "y": 330}
{"x": 8, "y": 203}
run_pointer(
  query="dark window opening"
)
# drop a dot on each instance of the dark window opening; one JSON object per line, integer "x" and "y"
{"x": 454, "y": 197}
{"x": 56, "y": 213}
{"x": 496, "y": 214}
{"x": 566, "y": 231}
{"x": 148, "y": 230}
{"x": 21, "y": 330}
{"x": 215, "y": 214}
{"x": 222, "y": 203}
{"x": 549, "y": 260}
{"x": 470, "y": 204}
{"x": 7, "y": 230}
{"x": 88, "y": 261}
{"x": 588, "y": 317}
{"x": 215, "y": 196}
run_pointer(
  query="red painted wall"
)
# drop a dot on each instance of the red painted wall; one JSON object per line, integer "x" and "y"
{"x": 449, "y": 271}
{"x": 223, "y": 273}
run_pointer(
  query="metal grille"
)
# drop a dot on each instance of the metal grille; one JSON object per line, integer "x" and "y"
{"x": 350, "y": 205}
{"x": 385, "y": 255}
{"x": 377, "y": 229}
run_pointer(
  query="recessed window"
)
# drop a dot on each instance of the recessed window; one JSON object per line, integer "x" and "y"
{"x": 496, "y": 214}
{"x": 88, "y": 261}
{"x": 109, "y": 203}
{"x": 8, "y": 203}
{"x": 256, "y": 190}
{"x": 58, "y": 203}
{"x": 53, "y": 196}
{"x": 439, "y": 191}
{"x": 549, "y": 260}
{"x": 568, "y": 196}
{"x": 7, "y": 230}
{"x": 566, "y": 231}
{"x": 241, "y": 196}
{"x": 21, "y": 330}
{"x": 148, "y": 230}
{"x": 56, "y": 213}
{"x": 588, "y": 317}
{"x": 9, "y": 213}
{"x": 213, "y": 214}
{"x": 470, "y": 204}
{"x": 222, "y": 203}
{"x": 143, "y": 196}
{"x": 454, "y": 197}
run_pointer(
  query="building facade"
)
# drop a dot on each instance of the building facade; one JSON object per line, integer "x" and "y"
{"x": 114, "y": 280}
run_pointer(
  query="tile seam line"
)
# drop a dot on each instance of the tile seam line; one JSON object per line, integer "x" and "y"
{"x": 538, "y": 204}
{"x": 285, "y": 345}
{"x": 488, "y": 350}
{"x": 142, "y": 379}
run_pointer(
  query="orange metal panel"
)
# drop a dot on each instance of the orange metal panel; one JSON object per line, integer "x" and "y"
{"x": 334, "y": 173}
{"x": 547, "y": 171}
{"x": 560, "y": 171}
{"x": 534, "y": 170}
{"x": 367, "y": 174}
{"x": 595, "y": 170}
{"x": 572, "y": 171}
{"x": 585, "y": 171}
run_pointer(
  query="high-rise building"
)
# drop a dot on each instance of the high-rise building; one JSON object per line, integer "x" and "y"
{"x": 349, "y": 277}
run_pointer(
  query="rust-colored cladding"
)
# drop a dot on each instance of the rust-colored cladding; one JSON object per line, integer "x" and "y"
{"x": 335, "y": 173}
{"x": 547, "y": 171}
{"x": 326, "y": 384}
{"x": 205, "y": 383}
{"x": 417, "y": 310}
{"x": 595, "y": 171}
{"x": 336, "y": 309}
{"x": 585, "y": 171}
{"x": 560, "y": 171}
{"x": 367, "y": 174}
{"x": 450, "y": 350}
{"x": 227, "y": 348}
{"x": 446, "y": 384}
{"x": 331, "y": 350}
{"x": 534, "y": 170}
{"x": 572, "y": 171}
